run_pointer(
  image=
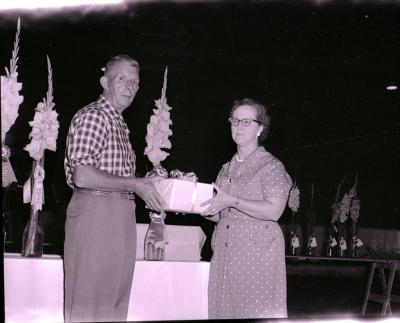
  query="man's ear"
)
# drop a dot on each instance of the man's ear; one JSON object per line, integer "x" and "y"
{"x": 104, "y": 82}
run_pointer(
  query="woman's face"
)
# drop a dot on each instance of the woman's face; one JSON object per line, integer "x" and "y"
{"x": 241, "y": 135}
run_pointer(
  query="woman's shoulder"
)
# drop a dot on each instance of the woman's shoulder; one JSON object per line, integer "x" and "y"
{"x": 267, "y": 157}
{"x": 272, "y": 167}
{"x": 225, "y": 165}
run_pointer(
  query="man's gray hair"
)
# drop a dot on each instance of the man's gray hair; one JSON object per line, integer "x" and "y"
{"x": 118, "y": 59}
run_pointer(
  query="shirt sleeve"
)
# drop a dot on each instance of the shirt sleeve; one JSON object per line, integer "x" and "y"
{"x": 275, "y": 181}
{"x": 88, "y": 139}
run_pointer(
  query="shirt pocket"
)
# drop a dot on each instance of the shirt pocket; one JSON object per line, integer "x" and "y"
{"x": 262, "y": 236}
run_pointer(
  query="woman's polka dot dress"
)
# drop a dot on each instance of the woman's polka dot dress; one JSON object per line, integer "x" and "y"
{"x": 248, "y": 271}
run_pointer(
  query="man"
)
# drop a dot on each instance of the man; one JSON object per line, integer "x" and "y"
{"x": 100, "y": 227}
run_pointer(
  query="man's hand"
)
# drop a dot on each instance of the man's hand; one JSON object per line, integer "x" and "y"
{"x": 145, "y": 188}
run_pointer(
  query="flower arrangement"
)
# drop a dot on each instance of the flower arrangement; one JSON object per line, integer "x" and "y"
{"x": 336, "y": 223}
{"x": 157, "y": 135}
{"x": 294, "y": 205}
{"x": 355, "y": 205}
{"x": 347, "y": 208}
{"x": 350, "y": 205}
{"x": 294, "y": 198}
{"x": 45, "y": 124}
{"x": 43, "y": 136}
{"x": 344, "y": 207}
{"x": 354, "y": 211}
{"x": 311, "y": 215}
{"x": 10, "y": 102}
{"x": 158, "y": 129}
{"x": 336, "y": 209}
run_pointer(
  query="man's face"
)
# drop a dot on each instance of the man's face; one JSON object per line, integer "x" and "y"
{"x": 121, "y": 84}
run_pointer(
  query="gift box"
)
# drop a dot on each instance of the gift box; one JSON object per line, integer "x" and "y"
{"x": 184, "y": 196}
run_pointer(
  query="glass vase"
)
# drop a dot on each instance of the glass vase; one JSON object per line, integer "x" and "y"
{"x": 294, "y": 244}
{"x": 310, "y": 251}
{"x": 33, "y": 237}
{"x": 342, "y": 247}
{"x": 311, "y": 246}
{"x": 354, "y": 247}
{"x": 329, "y": 252}
{"x": 354, "y": 240}
{"x": 155, "y": 240}
{"x": 332, "y": 246}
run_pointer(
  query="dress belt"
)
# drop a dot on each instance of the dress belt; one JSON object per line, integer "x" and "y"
{"x": 123, "y": 195}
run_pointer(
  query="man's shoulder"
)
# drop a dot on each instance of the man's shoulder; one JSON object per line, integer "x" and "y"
{"x": 92, "y": 111}
{"x": 93, "y": 107}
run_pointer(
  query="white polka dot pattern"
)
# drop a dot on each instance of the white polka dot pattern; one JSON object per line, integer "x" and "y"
{"x": 248, "y": 271}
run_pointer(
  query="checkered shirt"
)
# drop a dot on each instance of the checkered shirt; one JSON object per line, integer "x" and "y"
{"x": 98, "y": 136}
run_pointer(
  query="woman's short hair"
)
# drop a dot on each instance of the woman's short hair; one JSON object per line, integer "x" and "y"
{"x": 263, "y": 115}
{"x": 118, "y": 59}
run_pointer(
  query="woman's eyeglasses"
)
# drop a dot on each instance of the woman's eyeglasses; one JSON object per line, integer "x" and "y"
{"x": 245, "y": 122}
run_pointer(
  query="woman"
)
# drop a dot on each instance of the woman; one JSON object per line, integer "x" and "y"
{"x": 248, "y": 272}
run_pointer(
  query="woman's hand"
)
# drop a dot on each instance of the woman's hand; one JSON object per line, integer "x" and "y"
{"x": 219, "y": 202}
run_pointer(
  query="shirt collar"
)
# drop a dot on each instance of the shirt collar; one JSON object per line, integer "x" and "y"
{"x": 108, "y": 107}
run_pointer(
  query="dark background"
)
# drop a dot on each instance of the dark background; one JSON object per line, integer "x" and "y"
{"x": 322, "y": 68}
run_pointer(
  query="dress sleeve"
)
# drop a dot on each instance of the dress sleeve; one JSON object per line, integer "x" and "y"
{"x": 219, "y": 180}
{"x": 275, "y": 181}
{"x": 87, "y": 142}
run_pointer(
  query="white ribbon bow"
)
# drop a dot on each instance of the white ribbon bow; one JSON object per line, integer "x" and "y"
{"x": 295, "y": 242}
{"x": 343, "y": 244}
{"x": 8, "y": 175}
{"x": 36, "y": 195}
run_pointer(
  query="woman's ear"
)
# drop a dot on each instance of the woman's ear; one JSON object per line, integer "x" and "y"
{"x": 260, "y": 130}
{"x": 104, "y": 82}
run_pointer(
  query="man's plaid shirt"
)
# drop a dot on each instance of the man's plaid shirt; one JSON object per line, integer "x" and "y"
{"x": 98, "y": 136}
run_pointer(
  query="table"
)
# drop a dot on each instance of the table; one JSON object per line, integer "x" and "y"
{"x": 354, "y": 264}
{"x": 386, "y": 297}
{"x": 165, "y": 290}
{"x": 337, "y": 266}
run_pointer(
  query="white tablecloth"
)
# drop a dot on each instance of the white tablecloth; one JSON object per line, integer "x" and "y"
{"x": 165, "y": 290}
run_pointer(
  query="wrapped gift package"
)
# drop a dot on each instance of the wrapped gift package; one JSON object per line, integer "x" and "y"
{"x": 184, "y": 196}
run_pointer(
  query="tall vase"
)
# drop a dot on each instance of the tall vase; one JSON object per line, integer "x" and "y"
{"x": 354, "y": 241}
{"x": 342, "y": 247}
{"x": 354, "y": 247}
{"x": 155, "y": 239}
{"x": 332, "y": 243}
{"x": 294, "y": 243}
{"x": 311, "y": 245}
{"x": 33, "y": 236}
{"x": 5, "y": 229}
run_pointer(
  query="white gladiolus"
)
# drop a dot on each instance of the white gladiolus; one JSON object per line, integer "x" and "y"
{"x": 10, "y": 102}
{"x": 294, "y": 198}
{"x": 45, "y": 125}
{"x": 158, "y": 129}
{"x": 10, "y": 88}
